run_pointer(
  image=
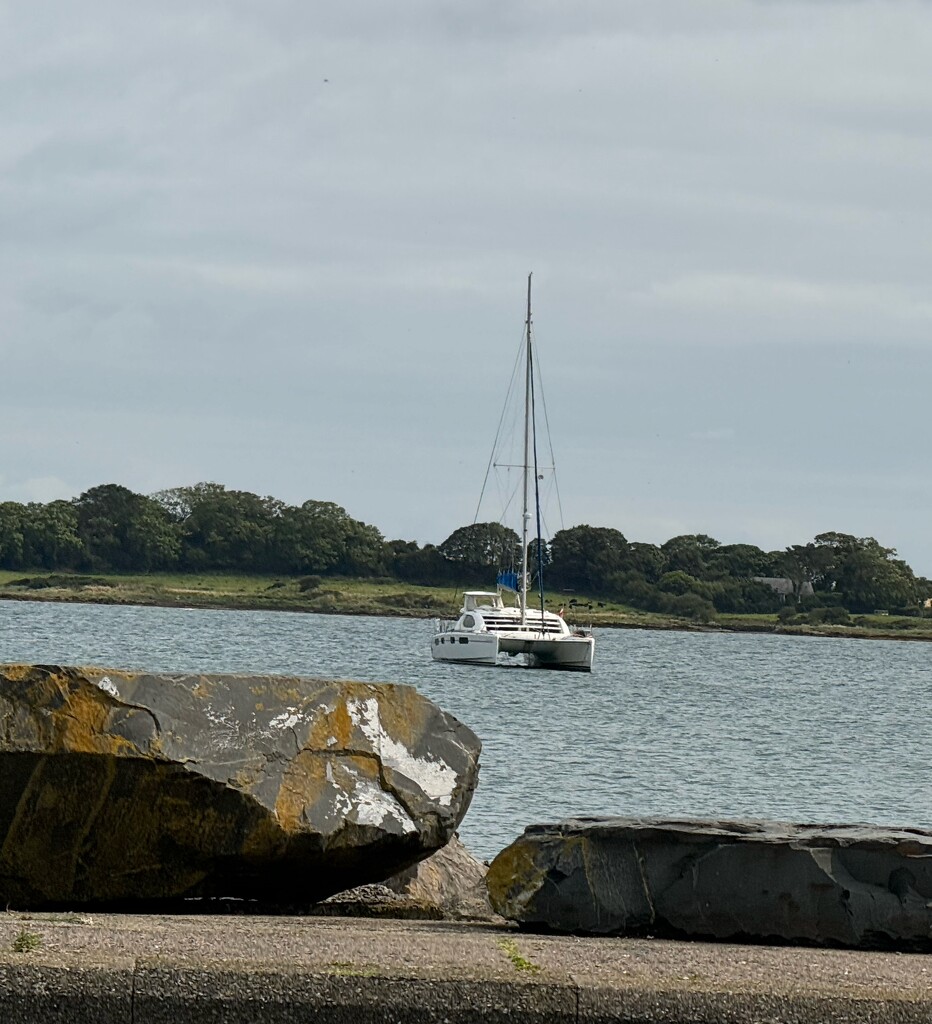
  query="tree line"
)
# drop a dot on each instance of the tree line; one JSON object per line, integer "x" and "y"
{"x": 206, "y": 527}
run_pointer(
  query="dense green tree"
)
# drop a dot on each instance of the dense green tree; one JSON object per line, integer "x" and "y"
{"x": 679, "y": 583}
{"x": 689, "y": 553}
{"x": 364, "y": 549}
{"x": 740, "y": 561}
{"x": 418, "y": 565}
{"x": 805, "y": 563}
{"x": 124, "y": 531}
{"x": 587, "y": 558}
{"x": 310, "y": 538}
{"x": 743, "y": 597}
{"x": 12, "y": 545}
{"x": 858, "y": 571}
{"x": 180, "y": 502}
{"x": 223, "y": 529}
{"x": 206, "y": 526}
{"x": 321, "y": 537}
{"x": 872, "y": 577}
{"x": 483, "y": 548}
{"x": 647, "y": 560}
{"x": 50, "y": 536}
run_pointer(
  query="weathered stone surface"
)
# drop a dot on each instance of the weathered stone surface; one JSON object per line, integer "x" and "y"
{"x": 117, "y": 786}
{"x": 451, "y": 879}
{"x": 850, "y": 885}
{"x": 449, "y": 885}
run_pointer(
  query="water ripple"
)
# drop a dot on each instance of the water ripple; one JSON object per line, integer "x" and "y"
{"x": 802, "y": 728}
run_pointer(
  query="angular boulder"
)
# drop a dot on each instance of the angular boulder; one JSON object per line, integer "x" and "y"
{"x": 124, "y": 787}
{"x": 847, "y": 885}
{"x": 452, "y": 880}
{"x": 449, "y": 885}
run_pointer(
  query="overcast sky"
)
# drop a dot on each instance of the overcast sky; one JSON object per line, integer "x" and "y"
{"x": 283, "y": 246}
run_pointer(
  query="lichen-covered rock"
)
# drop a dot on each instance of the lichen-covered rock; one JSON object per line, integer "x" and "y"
{"x": 117, "y": 786}
{"x": 849, "y": 885}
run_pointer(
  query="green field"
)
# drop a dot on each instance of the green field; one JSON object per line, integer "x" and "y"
{"x": 341, "y": 596}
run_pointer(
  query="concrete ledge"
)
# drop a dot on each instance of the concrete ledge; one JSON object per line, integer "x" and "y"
{"x": 245, "y": 970}
{"x": 189, "y": 995}
{"x": 78, "y": 993}
{"x": 602, "y": 1006}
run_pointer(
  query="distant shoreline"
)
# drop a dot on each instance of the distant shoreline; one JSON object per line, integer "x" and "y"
{"x": 389, "y": 598}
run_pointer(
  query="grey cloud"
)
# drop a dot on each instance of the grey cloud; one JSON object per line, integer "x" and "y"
{"x": 224, "y": 259}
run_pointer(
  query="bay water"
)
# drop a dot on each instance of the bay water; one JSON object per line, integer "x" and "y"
{"x": 668, "y": 723}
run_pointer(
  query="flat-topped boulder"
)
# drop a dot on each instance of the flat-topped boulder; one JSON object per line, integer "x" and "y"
{"x": 847, "y": 885}
{"x": 121, "y": 787}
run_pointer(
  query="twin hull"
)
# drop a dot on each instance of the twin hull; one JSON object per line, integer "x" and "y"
{"x": 568, "y": 652}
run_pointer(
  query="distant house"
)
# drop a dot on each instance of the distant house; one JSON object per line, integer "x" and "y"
{"x": 783, "y": 585}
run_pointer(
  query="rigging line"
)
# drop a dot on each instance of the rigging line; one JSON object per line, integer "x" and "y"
{"x": 553, "y": 461}
{"x": 498, "y": 433}
{"x": 540, "y": 561}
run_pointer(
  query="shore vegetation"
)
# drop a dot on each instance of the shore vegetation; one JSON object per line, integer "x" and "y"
{"x": 210, "y": 547}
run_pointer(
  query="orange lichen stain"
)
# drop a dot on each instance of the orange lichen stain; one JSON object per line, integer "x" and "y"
{"x": 302, "y": 786}
{"x": 332, "y": 731}
{"x": 283, "y": 689}
{"x": 119, "y": 673}
{"x": 78, "y": 715}
{"x": 17, "y": 673}
{"x": 80, "y": 726}
{"x": 402, "y": 714}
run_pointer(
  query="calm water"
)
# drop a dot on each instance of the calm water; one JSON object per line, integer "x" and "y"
{"x": 667, "y": 723}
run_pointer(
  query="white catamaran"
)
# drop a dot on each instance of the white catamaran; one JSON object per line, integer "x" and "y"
{"x": 486, "y": 626}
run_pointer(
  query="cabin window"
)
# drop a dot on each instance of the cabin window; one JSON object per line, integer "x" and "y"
{"x": 468, "y": 621}
{"x": 464, "y": 639}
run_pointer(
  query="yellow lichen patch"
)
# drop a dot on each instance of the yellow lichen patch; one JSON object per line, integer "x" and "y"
{"x": 512, "y": 872}
{"x": 301, "y": 787}
{"x": 17, "y": 673}
{"x": 80, "y": 725}
{"x": 283, "y": 690}
{"x": 332, "y": 731}
{"x": 401, "y": 713}
{"x": 115, "y": 673}
{"x": 244, "y": 778}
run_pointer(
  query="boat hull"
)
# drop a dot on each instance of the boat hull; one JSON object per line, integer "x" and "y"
{"x": 568, "y": 653}
{"x": 466, "y": 648}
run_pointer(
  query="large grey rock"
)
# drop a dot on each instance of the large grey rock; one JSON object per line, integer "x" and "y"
{"x": 851, "y": 885}
{"x": 118, "y": 786}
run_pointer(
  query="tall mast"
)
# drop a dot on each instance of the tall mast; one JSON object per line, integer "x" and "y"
{"x": 525, "y": 513}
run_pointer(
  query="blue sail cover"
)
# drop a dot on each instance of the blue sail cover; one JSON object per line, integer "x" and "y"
{"x": 508, "y": 580}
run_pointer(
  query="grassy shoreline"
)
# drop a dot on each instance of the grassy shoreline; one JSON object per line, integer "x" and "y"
{"x": 382, "y": 597}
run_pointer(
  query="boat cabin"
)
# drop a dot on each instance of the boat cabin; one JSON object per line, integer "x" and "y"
{"x": 476, "y": 600}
